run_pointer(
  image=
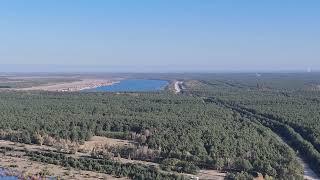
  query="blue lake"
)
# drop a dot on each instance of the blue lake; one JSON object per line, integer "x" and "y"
{"x": 4, "y": 176}
{"x": 133, "y": 85}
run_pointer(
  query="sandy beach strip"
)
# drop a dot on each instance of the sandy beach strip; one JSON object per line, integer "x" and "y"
{"x": 72, "y": 86}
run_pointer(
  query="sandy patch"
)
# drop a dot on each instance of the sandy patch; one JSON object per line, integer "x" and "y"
{"x": 178, "y": 86}
{"x": 99, "y": 141}
{"x": 72, "y": 86}
{"x": 211, "y": 174}
{"x": 309, "y": 174}
{"x": 28, "y": 167}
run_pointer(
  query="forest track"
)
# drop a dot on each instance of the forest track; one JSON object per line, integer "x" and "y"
{"x": 309, "y": 173}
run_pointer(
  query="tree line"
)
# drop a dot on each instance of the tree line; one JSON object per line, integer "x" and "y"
{"x": 181, "y": 132}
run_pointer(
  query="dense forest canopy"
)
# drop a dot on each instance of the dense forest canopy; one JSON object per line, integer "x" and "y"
{"x": 234, "y": 122}
{"x": 286, "y": 103}
{"x": 183, "y": 127}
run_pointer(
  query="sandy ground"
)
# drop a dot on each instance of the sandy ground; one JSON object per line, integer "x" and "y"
{"x": 102, "y": 141}
{"x": 309, "y": 174}
{"x": 72, "y": 86}
{"x": 98, "y": 140}
{"x": 211, "y": 174}
{"x": 177, "y": 86}
{"x": 26, "y": 166}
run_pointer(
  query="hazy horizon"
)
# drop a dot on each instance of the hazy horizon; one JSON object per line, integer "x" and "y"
{"x": 41, "y": 68}
{"x": 160, "y": 36}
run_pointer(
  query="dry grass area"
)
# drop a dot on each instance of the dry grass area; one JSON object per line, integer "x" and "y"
{"x": 101, "y": 141}
{"x": 211, "y": 175}
{"x": 96, "y": 141}
{"x": 208, "y": 175}
{"x": 30, "y": 147}
{"x": 17, "y": 162}
{"x": 29, "y": 168}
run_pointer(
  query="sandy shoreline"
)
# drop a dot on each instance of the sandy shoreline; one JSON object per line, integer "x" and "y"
{"x": 72, "y": 86}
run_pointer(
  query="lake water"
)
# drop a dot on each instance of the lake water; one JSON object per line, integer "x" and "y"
{"x": 133, "y": 85}
{"x": 4, "y": 176}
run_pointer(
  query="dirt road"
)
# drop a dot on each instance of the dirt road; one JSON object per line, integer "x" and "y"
{"x": 178, "y": 86}
{"x": 308, "y": 173}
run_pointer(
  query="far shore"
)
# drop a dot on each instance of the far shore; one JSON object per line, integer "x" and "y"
{"x": 72, "y": 86}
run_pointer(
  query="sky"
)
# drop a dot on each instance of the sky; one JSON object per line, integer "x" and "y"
{"x": 159, "y": 35}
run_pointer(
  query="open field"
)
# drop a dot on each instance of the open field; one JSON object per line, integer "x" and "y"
{"x": 103, "y": 141}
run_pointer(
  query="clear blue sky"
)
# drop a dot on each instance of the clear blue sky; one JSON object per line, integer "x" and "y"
{"x": 162, "y": 34}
